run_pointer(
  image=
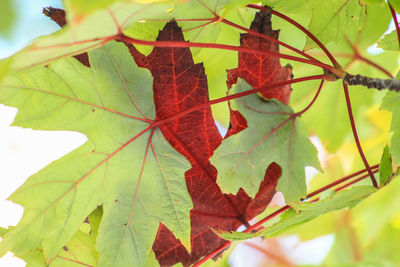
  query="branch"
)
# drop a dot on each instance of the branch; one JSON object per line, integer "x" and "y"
{"x": 376, "y": 83}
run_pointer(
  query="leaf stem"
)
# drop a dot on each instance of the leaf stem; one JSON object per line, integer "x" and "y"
{"x": 355, "y": 135}
{"x": 358, "y": 56}
{"x": 234, "y": 96}
{"x": 200, "y": 26}
{"x": 396, "y": 23}
{"x": 300, "y": 27}
{"x": 355, "y": 180}
{"x": 341, "y": 180}
{"x": 312, "y": 101}
{"x": 175, "y": 44}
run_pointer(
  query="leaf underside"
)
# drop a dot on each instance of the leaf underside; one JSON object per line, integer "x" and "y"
{"x": 117, "y": 167}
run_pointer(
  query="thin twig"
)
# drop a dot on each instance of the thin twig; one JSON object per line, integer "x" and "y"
{"x": 358, "y": 56}
{"x": 355, "y": 135}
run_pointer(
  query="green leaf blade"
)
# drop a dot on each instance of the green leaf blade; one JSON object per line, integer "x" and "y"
{"x": 385, "y": 167}
{"x": 389, "y": 41}
{"x": 125, "y": 166}
{"x": 248, "y": 153}
{"x": 391, "y": 102}
{"x": 330, "y": 19}
{"x": 309, "y": 211}
{"x": 303, "y": 212}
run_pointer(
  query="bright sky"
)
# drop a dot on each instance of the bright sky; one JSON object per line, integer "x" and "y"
{"x": 30, "y": 23}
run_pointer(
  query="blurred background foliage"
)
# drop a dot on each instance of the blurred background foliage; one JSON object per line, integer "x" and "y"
{"x": 7, "y": 17}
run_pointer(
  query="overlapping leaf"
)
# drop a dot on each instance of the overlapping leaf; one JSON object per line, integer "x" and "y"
{"x": 385, "y": 168}
{"x": 125, "y": 166}
{"x": 81, "y": 249}
{"x": 329, "y": 19}
{"x": 180, "y": 84}
{"x": 389, "y": 41}
{"x": 270, "y": 136}
{"x": 391, "y": 102}
{"x": 260, "y": 71}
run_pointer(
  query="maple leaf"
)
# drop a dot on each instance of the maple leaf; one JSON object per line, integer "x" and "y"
{"x": 271, "y": 136}
{"x": 178, "y": 85}
{"x": 330, "y": 19}
{"x": 391, "y": 102}
{"x": 263, "y": 144}
{"x": 126, "y": 166}
{"x": 257, "y": 70}
{"x": 389, "y": 41}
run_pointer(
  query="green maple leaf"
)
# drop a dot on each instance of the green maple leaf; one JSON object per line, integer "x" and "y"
{"x": 262, "y": 143}
{"x": 292, "y": 6}
{"x": 126, "y": 166}
{"x": 385, "y": 168}
{"x": 303, "y": 212}
{"x": 332, "y": 18}
{"x": 389, "y": 41}
{"x": 391, "y": 102}
{"x": 78, "y": 252}
{"x": 395, "y": 4}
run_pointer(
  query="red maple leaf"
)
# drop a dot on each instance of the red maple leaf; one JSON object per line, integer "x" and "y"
{"x": 178, "y": 85}
{"x": 257, "y": 70}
